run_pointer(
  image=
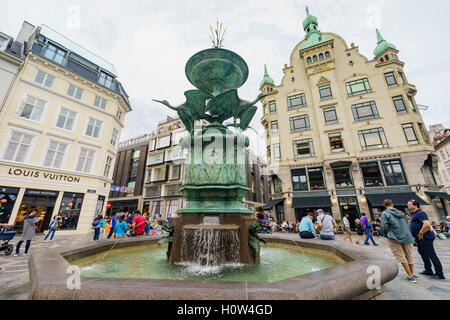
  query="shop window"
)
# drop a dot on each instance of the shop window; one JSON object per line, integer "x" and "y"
{"x": 299, "y": 180}
{"x": 371, "y": 174}
{"x": 393, "y": 172}
{"x": 70, "y": 210}
{"x": 8, "y": 197}
{"x": 336, "y": 142}
{"x": 316, "y": 180}
{"x": 99, "y": 206}
{"x": 342, "y": 177}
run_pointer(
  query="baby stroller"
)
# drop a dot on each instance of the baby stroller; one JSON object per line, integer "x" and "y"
{"x": 6, "y": 235}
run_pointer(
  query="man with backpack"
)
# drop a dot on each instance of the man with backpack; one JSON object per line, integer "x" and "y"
{"x": 327, "y": 225}
{"x": 367, "y": 229}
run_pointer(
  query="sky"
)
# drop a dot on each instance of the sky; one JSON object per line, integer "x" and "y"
{"x": 149, "y": 42}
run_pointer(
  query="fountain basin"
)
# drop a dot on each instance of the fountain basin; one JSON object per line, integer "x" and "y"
{"x": 349, "y": 280}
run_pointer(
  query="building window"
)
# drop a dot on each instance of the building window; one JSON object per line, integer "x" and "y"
{"x": 75, "y": 92}
{"x": 372, "y": 139}
{"x": 390, "y": 79}
{"x": 163, "y": 142}
{"x": 299, "y": 181}
{"x": 276, "y": 152}
{"x": 159, "y": 174}
{"x": 93, "y": 128}
{"x": 393, "y": 172}
{"x": 32, "y": 108}
{"x": 106, "y": 80}
{"x": 153, "y": 192}
{"x": 342, "y": 177}
{"x": 274, "y": 126}
{"x": 300, "y": 123}
{"x": 66, "y": 119}
{"x": 173, "y": 190}
{"x": 358, "y": 87}
{"x": 156, "y": 209}
{"x": 402, "y": 78}
{"x": 272, "y": 107}
{"x": 265, "y": 109}
{"x": 327, "y": 54}
{"x": 176, "y": 154}
{"x": 303, "y": 148}
{"x": 336, "y": 142}
{"x": 119, "y": 114}
{"x": 55, "y": 54}
{"x": 55, "y": 154}
{"x": 316, "y": 181}
{"x": 18, "y": 146}
{"x": 175, "y": 174}
{"x": 365, "y": 111}
{"x": 133, "y": 170}
{"x": 325, "y": 92}
{"x": 108, "y": 164}
{"x": 399, "y": 104}
{"x": 411, "y": 103}
{"x": 70, "y": 210}
{"x": 410, "y": 133}
{"x": 428, "y": 175}
{"x": 85, "y": 160}
{"x": 44, "y": 79}
{"x": 308, "y": 60}
{"x": 171, "y": 208}
{"x": 424, "y": 133}
{"x": 297, "y": 101}
{"x": 177, "y": 136}
{"x": 100, "y": 102}
{"x": 156, "y": 158}
{"x": 371, "y": 174}
{"x": 269, "y": 154}
{"x": 114, "y": 136}
{"x": 314, "y": 58}
{"x": 153, "y": 144}
{"x": 330, "y": 115}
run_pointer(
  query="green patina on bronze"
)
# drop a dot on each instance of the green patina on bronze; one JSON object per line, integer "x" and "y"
{"x": 214, "y": 177}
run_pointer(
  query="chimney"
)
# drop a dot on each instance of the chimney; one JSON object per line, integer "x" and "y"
{"x": 25, "y": 32}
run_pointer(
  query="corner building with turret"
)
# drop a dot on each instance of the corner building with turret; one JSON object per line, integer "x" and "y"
{"x": 344, "y": 132}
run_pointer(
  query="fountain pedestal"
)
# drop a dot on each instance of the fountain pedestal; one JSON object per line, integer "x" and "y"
{"x": 228, "y": 251}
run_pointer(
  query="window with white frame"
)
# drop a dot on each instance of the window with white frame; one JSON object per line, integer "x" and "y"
{"x": 66, "y": 119}
{"x": 156, "y": 158}
{"x": 159, "y": 174}
{"x": 44, "y": 79}
{"x": 18, "y": 146}
{"x": 55, "y": 154}
{"x": 100, "y": 102}
{"x": 94, "y": 127}
{"x": 74, "y": 92}
{"x": 85, "y": 160}
{"x": 108, "y": 165}
{"x": 114, "y": 136}
{"x": 175, "y": 174}
{"x": 106, "y": 80}
{"x": 32, "y": 108}
{"x": 163, "y": 142}
{"x": 119, "y": 114}
{"x": 176, "y": 154}
{"x": 153, "y": 144}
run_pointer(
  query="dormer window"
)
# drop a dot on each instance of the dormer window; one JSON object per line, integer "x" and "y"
{"x": 386, "y": 57}
{"x": 54, "y": 53}
{"x": 327, "y": 55}
{"x": 314, "y": 58}
{"x": 106, "y": 80}
{"x": 321, "y": 56}
{"x": 308, "y": 60}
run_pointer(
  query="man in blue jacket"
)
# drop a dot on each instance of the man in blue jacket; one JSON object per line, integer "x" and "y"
{"x": 306, "y": 229}
{"x": 421, "y": 231}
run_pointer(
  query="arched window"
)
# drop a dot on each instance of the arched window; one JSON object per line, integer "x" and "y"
{"x": 386, "y": 57}
{"x": 307, "y": 29}
{"x": 321, "y": 56}
{"x": 381, "y": 60}
{"x": 327, "y": 55}
{"x": 314, "y": 58}
{"x": 308, "y": 60}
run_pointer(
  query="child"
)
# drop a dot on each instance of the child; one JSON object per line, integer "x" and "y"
{"x": 359, "y": 230}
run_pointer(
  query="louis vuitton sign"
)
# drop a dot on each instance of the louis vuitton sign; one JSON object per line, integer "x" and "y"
{"x": 37, "y": 174}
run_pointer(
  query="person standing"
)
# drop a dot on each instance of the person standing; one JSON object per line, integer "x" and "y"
{"x": 306, "y": 230}
{"x": 395, "y": 227}
{"x": 120, "y": 229}
{"x": 367, "y": 229}
{"x": 113, "y": 224}
{"x": 347, "y": 229}
{"x": 420, "y": 230}
{"x": 327, "y": 225}
{"x": 139, "y": 223}
{"x": 29, "y": 231}
{"x": 53, "y": 227}
{"x": 359, "y": 231}
{"x": 98, "y": 224}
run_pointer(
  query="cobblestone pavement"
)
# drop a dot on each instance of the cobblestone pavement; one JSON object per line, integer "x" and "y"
{"x": 14, "y": 283}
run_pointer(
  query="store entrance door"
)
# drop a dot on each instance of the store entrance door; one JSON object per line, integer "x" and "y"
{"x": 349, "y": 205}
{"x": 41, "y": 200}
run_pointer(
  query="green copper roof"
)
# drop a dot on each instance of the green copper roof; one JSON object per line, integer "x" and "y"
{"x": 267, "y": 78}
{"x": 382, "y": 45}
{"x": 313, "y": 36}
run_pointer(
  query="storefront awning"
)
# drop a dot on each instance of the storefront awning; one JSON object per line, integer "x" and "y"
{"x": 441, "y": 195}
{"x": 311, "y": 202}
{"x": 269, "y": 205}
{"x": 399, "y": 199}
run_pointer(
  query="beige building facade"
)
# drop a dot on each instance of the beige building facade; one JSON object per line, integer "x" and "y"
{"x": 441, "y": 141}
{"x": 60, "y": 127}
{"x": 344, "y": 132}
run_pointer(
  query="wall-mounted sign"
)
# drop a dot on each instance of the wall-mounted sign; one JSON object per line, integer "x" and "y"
{"x": 91, "y": 191}
{"x": 37, "y": 174}
{"x": 41, "y": 193}
{"x": 122, "y": 189}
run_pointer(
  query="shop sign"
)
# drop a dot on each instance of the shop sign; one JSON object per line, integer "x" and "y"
{"x": 41, "y": 193}
{"x": 43, "y": 174}
{"x": 91, "y": 191}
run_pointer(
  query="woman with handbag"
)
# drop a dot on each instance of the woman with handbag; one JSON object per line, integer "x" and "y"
{"x": 29, "y": 231}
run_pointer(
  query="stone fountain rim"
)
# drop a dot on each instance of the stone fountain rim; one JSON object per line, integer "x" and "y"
{"x": 48, "y": 277}
{"x": 211, "y": 226}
